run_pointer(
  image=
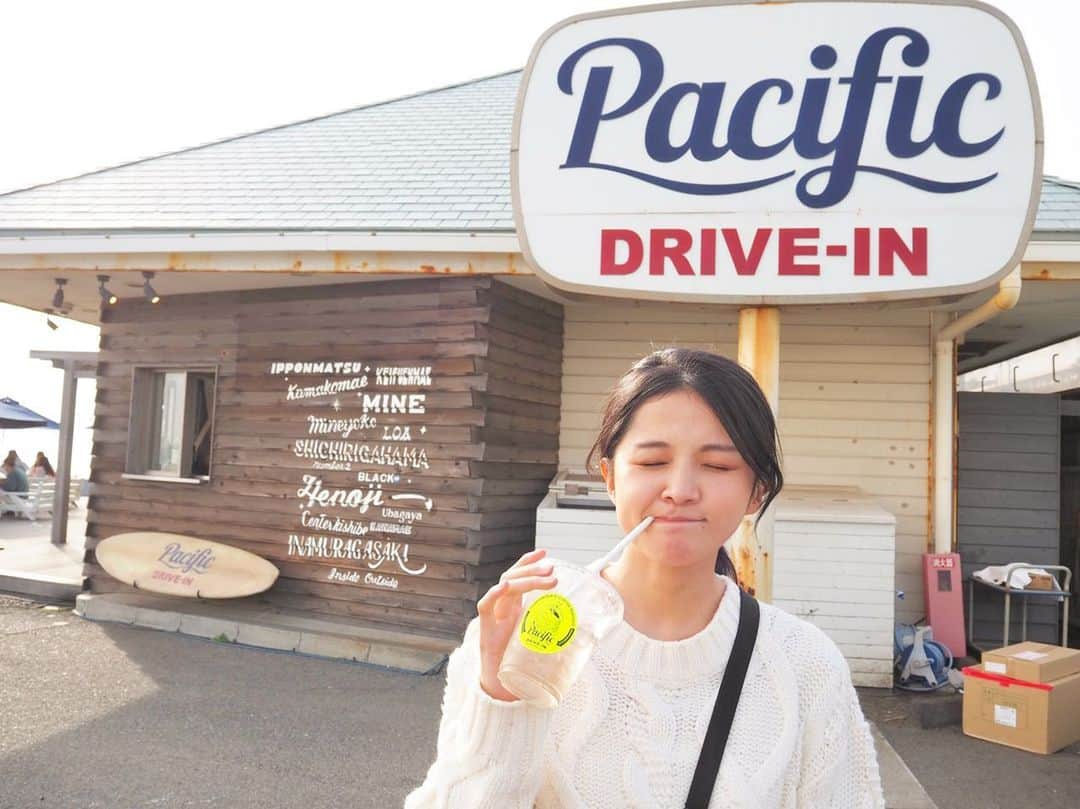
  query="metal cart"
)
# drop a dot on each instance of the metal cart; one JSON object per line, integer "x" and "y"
{"x": 1063, "y": 595}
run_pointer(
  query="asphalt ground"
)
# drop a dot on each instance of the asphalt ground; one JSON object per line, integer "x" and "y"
{"x": 114, "y": 717}
{"x": 959, "y": 771}
{"x": 103, "y": 715}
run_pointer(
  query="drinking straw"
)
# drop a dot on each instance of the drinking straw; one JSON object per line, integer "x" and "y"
{"x": 625, "y": 541}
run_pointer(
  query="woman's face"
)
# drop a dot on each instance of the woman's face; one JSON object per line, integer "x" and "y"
{"x": 677, "y": 463}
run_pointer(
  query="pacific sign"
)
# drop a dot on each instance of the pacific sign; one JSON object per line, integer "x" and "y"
{"x": 768, "y": 153}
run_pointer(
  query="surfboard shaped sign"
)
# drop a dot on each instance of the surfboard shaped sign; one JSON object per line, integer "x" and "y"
{"x": 778, "y": 152}
{"x": 178, "y": 565}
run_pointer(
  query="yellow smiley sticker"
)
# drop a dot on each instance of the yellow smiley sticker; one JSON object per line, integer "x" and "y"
{"x": 549, "y": 624}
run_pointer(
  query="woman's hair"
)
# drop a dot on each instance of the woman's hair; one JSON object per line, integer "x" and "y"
{"x": 726, "y": 387}
{"x": 11, "y": 458}
{"x": 43, "y": 462}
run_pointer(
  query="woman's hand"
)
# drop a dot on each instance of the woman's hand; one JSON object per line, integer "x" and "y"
{"x": 500, "y": 611}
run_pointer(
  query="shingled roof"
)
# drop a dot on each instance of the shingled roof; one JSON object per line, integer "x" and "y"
{"x": 438, "y": 160}
{"x": 435, "y": 161}
{"x": 1059, "y": 207}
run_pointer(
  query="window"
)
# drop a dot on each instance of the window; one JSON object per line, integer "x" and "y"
{"x": 172, "y": 422}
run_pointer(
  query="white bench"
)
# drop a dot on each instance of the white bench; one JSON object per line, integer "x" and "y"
{"x": 32, "y": 504}
{"x": 38, "y": 501}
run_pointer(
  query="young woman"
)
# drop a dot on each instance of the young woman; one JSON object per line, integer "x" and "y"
{"x": 42, "y": 468}
{"x": 13, "y": 459}
{"x": 688, "y": 438}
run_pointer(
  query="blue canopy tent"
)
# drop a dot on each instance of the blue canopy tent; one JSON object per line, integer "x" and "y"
{"x": 13, "y": 416}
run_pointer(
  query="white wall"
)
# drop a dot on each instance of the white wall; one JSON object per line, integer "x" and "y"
{"x": 602, "y": 341}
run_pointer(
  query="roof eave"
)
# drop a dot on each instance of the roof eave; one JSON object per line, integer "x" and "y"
{"x": 1053, "y": 246}
{"x": 39, "y": 243}
{"x": 1045, "y": 245}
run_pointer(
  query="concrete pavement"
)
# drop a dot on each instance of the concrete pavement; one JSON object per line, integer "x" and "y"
{"x": 31, "y": 565}
{"x": 959, "y": 771}
{"x": 105, "y": 716}
{"x": 902, "y": 789}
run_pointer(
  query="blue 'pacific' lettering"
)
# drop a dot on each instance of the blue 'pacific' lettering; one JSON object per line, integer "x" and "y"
{"x": 845, "y": 149}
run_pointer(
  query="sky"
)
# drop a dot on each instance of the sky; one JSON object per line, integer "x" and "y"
{"x": 92, "y": 85}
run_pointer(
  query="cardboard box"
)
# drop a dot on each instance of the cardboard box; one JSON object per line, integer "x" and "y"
{"x": 1040, "y": 581}
{"x": 1038, "y": 717}
{"x": 1032, "y": 662}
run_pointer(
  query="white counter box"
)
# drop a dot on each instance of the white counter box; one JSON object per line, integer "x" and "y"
{"x": 576, "y": 520}
{"x": 834, "y": 556}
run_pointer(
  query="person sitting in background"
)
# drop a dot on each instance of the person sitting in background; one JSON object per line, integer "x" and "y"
{"x": 15, "y": 480}
{"x": 14, "y": 459}
{"x": 42, "y": 468}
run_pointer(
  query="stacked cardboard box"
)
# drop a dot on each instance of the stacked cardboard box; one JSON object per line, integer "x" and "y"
{"x": 1026, "y": 695}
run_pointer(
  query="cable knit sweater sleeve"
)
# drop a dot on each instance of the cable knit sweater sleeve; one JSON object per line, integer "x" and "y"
{"x": 839, "y": 769}
{"x": 490, "y": 754}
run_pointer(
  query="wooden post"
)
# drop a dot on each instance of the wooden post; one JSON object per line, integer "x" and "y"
{"x": 63, "y": 460}
{"x": 759, "y": 352}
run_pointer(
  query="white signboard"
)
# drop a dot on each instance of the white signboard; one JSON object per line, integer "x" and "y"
{"x": 768, "y": 153}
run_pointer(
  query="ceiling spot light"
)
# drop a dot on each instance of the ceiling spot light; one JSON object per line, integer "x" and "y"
{"x": 49, "y": 321}
{"x": 148, "y": 290}
{"x": 58, "y": 296}
{"x": 106, "y": 296}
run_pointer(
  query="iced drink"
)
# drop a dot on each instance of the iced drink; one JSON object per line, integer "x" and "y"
{"x": 558, "y": 631}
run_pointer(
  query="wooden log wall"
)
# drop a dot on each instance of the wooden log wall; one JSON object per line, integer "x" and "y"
{"x": 443, "y": 478}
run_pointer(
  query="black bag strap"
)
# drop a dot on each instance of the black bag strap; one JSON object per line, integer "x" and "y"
{"x": 727, "y": 700}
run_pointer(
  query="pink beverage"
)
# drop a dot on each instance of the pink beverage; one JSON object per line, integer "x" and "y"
{"x": 558, "y": 631}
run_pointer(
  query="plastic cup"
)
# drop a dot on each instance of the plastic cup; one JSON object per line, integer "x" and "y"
{"x": 558, "y": 631}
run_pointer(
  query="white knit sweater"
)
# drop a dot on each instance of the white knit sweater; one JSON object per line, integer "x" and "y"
{"x": 629, "y": 733}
